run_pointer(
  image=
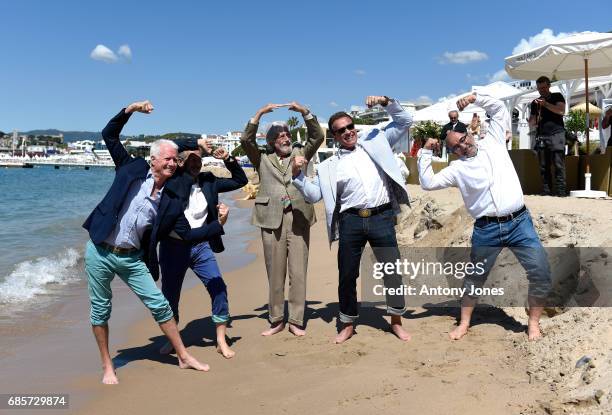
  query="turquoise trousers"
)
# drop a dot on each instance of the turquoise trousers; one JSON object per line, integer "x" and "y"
{"x": 101, "y": 266}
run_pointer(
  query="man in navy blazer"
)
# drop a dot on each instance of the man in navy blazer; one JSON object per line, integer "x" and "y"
{"x": 362, "y": 188}
{"x": 177, "y": 255}
{"x": 124, "y": 227}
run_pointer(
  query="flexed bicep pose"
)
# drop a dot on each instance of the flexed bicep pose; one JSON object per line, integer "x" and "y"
{"x": 493, "y": 196}
{"x": 362, "y": 187}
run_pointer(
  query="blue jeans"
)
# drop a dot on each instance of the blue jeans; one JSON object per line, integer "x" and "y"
{"x": 355, "y": 232}
{"x": 175, "y": 257}
{"x": 518, "y": 234}
{"x": 102, "y": 265}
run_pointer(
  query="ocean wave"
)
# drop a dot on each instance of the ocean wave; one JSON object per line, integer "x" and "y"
{"x": 32, "y": 278}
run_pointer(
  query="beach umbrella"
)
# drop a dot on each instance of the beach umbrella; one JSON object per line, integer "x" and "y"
{"x": 577, "y": 56}
{"x": 593, "y": 109}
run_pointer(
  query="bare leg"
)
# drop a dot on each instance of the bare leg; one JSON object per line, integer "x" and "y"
{"x": 536, "y": 308}
{"x": 101, "y": 334}
{"x": 186, "y": 361}
{"x": 398, "y": 330}
{"x": 296, "y": 330}
{"x": 274, "y": 328}
{"x": 467, "y": 308}
{"x": 345, "y": 333}
{"x": 222, "y": 346}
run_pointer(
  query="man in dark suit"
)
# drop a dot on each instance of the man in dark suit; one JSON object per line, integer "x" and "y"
{"x": 177, "y": 255}
{"x": 121, "y": 236}
{"x": 453, "y": 125}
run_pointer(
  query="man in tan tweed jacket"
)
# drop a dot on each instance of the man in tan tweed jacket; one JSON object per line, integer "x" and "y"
{"x": 282, "y": 214}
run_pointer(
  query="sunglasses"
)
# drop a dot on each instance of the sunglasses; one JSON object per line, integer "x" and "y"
{"x": 459, "y": 143}
{"x": 349, "y": 127}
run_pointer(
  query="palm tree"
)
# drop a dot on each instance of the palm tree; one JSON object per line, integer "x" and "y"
{"x": 292, "y": 122}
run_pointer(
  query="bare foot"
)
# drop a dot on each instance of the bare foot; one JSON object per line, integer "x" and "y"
{"x": 344, "y": 334}
{"x": 399, "y": 331}
{"x": 224, "y": 350}
{"x": 190, "y": 362}
{"x": 274, "y": 328}
{"x": 110, "y": 377}
{"x": 458, "y": 332}
{"x": 533, "y": 331}
{"x": 167, "y": 348}
{"x": 296, "y": 331}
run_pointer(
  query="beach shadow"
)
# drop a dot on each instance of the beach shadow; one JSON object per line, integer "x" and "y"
{"x": 309, "y": 312}
{"x": 200, "y": 332}
{"x": 483, "y": 314}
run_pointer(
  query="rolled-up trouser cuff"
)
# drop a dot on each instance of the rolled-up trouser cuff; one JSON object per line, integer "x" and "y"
{"x": 396, "y": 311}
{"x": 347, "y": 319}
{"x": 274, "y": 320}
{"x": 220, "y": 319}
{"x": 295, "y": 322}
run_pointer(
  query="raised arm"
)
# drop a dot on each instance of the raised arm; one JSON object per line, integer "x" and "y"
{"x": 238, "y": 179}
{"x": 248, "y": 141}
{"x": 500, "y": 121}
{"x": 401, "y": 119}
{"x": 315, "y": 133}
{"x": 111, "y": 132}
{"x": 428, "y": 179}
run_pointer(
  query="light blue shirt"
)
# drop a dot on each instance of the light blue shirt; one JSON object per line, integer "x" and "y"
{"x": 136, "y": 215}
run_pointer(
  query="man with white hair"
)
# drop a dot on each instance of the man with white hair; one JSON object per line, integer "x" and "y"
{"x": 282, "y": 214}
{"x": 123, "y": 228}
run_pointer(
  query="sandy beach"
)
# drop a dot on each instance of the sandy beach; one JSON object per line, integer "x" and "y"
{"x": 494, "y": 370}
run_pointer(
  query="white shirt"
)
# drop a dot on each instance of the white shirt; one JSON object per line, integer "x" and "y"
{"x": 488, "y": 181}
{"x": 361, "y": 184}
{"x": 197, "y": 207}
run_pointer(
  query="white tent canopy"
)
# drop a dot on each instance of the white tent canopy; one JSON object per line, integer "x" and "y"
{"x": 564, "y": 58}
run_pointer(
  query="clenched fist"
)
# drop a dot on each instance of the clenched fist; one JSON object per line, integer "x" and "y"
{"x": 299, "y": 162}
{"x": 223, "y": 213}
{"x": 465, "y": 101}
{"x": 221, "y": 153}
{"x": 141, "y": 106}
{"x": 375, "y": 100}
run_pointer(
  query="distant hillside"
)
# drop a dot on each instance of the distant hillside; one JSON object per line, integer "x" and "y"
{"x": 71, "y": 136}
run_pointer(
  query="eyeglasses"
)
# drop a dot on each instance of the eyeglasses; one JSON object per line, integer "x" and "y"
{"x": 349, "y": 127}
{"x": 459, "y": 143}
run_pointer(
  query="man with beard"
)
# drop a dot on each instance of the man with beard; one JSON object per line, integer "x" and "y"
{"x": 493, "y": 196}
{"x": 282, "y": 214}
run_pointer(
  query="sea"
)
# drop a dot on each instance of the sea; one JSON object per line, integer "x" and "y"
{"x": 41, "y": 235}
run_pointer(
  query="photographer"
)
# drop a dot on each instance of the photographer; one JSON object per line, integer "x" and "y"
{"x": 547, "y": 116}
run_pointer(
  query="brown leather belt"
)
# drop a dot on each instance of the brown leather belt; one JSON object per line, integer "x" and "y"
{"x": 117, "y": 249}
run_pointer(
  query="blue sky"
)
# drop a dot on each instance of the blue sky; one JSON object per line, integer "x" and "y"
{"x": 207, "y": 67}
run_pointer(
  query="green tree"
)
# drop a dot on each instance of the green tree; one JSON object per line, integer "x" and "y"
{"x": 292, "y": 122}
{"x": 238, "y": 151}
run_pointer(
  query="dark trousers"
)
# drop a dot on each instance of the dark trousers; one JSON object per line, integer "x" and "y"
{"x": 551, "y": 151}
{"x": 355, "y": 232}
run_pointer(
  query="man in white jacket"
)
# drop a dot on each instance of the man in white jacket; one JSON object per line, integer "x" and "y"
{"x": 362, "y": 188}
{"x": 492, "y": 194}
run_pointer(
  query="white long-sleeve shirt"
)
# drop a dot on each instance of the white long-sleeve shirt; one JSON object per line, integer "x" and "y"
{"x": 488, "y": 181}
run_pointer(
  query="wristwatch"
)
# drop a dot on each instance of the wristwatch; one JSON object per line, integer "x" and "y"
{"x": 387, "y": 102}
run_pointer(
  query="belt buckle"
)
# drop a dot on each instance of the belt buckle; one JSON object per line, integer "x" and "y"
{"x": 364, "y": 213}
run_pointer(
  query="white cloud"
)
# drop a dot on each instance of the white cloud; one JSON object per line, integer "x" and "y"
{"x": 104, "y": 54}
{"x": 449, "y": 96}
{"x": 500, "y": 75}
{"x": 125, "y": 52}
{"x": 359, "y": 72}
{"x": 423, "y": 100}
{"x": 463, "y": 56}
{"x": 544, "y": 37}
{"x": 333, "y": 104}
